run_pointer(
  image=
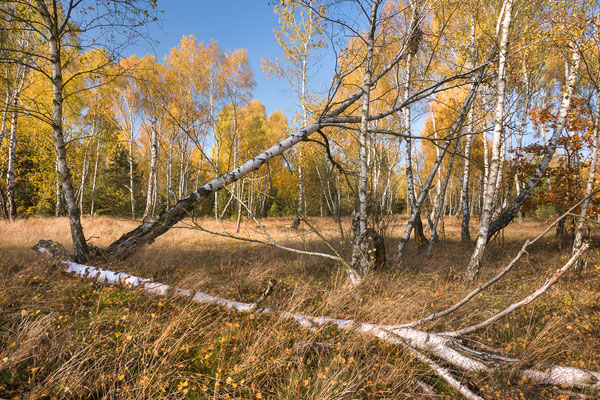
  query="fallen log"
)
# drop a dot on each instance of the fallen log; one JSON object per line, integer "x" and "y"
{"x": 445, "y": 346}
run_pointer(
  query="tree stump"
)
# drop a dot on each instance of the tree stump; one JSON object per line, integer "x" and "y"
{"x": 368, "y": 252}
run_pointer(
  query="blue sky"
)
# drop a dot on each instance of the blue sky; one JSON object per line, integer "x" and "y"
{"x": 234, "y": 24}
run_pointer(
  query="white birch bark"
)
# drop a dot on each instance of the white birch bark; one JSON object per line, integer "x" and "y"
{"x": 58, "y": 192}
{"x": 95, "y": 176}
{"x": 213, "y": 124}
{"x": 590, "y": 182}
{"x": 52, "y": 27}
{"x": 511, "y": 210}
{"x": 131, "y": 176}
{"x": 147, "y": 232}
{"x": 490, "y": 188}
{"x": 440, "y": 205}
{"x": 465, "y": 233}
{"x": 410, "y": 183}
{"x": 363, "y": 180}
{"x": 169, "y": 171}
{"x": 522, "y": 127}
{"x": 5, "y": 111}
{"x": 84, "y": 172}
{"x": 454, "y": 129}
{"x": 444, "y": 346}
{"x": 11, "y": 207}
{"x": 151, "y": 191}
{"x": 438, "y": 182}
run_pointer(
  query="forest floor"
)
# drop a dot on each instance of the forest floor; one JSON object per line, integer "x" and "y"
{"x": 63, "y": 337}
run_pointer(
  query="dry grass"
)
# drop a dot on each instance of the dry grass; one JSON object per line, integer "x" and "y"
{"x": 65, "y": 338}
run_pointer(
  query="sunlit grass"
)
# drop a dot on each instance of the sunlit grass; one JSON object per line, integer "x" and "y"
{"x": 65, "y": 338}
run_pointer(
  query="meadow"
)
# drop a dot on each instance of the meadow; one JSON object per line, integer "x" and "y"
{"x": 63, "y": 337}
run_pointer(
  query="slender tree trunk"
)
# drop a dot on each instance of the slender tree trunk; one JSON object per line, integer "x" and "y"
{"x": 211, "y": 104}
{"x": 150, "y": 230}
{"x": 12, "y": 145}
{"x": 522, "y": 127}
{"x": 489, "y": 194}
{"x": 454, "y": 129}
{"x": 486, "y": 167}
{"x": 465, "y": 233}
{"x": 182, "y": 170}
{"x": 299, "y": 209}
{"x": 95, "y": 177}
{"x": 590, "y": 183}
{"x": 198, "y": 173}
{"x": 150, "y": 193}
{"x": 360, "y": 259}
{"x": 4, "y": 115}
{"x": 498, "y": 203}
{"x": 420, "y": 238}
{"x": 363, "y": 180}
{"x": 512, "y": 209}
{"x": 170, "y": 174}
{"x": 3, "y": 211}
{"x": 84, "y": 171}
{"x": 240, "y": 199}
{"x": 59, "y": 197}
{"x": 439, "y": 212}
{"x": 131, "y": 176}
{"x": 155, "y": 199}
{"x": 10, "y": 173}
{"x": 438, "y": 181}
{"x": 79, "y": 244}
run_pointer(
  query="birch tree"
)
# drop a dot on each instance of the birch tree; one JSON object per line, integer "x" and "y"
{"x": 331, "y": 115}
{"x": 299, "y": 36}
{"x": 465, "y": 233}
{"x": 494, "y": 171}
{"x": 591, "y": 178}
{"x": 93, "y": 24}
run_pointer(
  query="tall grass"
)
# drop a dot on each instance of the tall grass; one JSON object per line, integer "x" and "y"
{"x": 65, "y": 338}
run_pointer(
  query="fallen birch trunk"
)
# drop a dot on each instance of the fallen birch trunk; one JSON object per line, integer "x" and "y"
{"x": 445, "y": 346}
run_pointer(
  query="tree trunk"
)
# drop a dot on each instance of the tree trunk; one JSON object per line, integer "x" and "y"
{"x": 440, "y": 206}
{"x": 446, "y": 346}
{"x": 590, "y": 184}
{"x": 438, "y": 181}
{"x": 512, "y": 209}
{"x": 150, "y": 193}
{"x": 84, "y": 171}
{"x": 183, "y": 168}
{"x": 170, "y": 174}
{"x": 3, "y": 211}
{"x": 454, "y": 129}
{"x": 95, "y": 177}
{"x": 79, "y": 244}
{"x": 131, "y": 177}
{"x": 150, "y": 230}
{"x": 59, "y": 197}
{"x": 465, "y": 233}
{"x": 211, "y": 109}
{"x": 420, "y": 238}
{"x": 240, "y": 199}
{"x": 486, "y": 168}
{"x": 360, "y": 261}
{"x": 300, "y": 209}
{"x": 490, "y": 189}
{"x": 147, "y": 232}
{"x": 10, "y": 173}
{"x": 522, "y": 127}
{"x": 4, "y": 114}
